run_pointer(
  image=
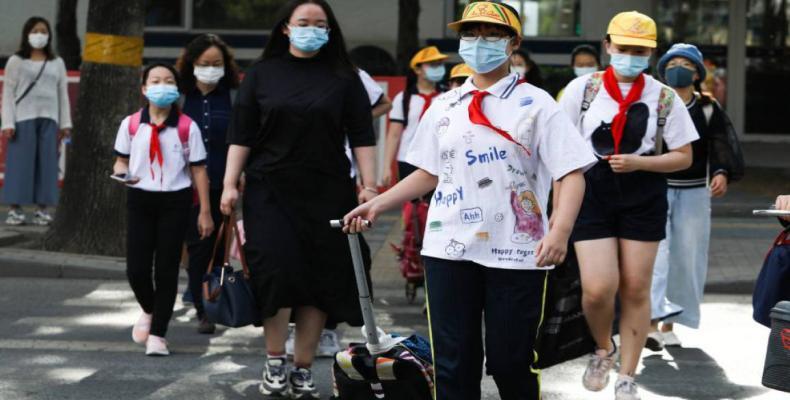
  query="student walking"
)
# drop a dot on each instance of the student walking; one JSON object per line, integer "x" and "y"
{"x": 160, "y": 157}
{"x": 208, "y": 76}
{"x": 625, "y": 116}
{"x": 584, "y": 60}
{"x": 490, "y": 150}
{"x": 296, "y": 107}
{"x": 409, "y": 106}
{"x": 682, "y": 262}
{"x": 36, "y": 115}
{"x": 459, "y": 74}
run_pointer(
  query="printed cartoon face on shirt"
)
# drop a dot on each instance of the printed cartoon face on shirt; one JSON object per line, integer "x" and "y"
{"x": 529, "y": 221}
{"x": 633, "y": 133}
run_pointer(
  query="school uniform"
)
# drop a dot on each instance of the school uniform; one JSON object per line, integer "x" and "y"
{"x": 486, "y": 217}
{"x": 211, "y": 112}
{"x": 375, "y": 93}
{"x": 418, "y": 104}
{"x": 625, "y": 205}
{"x": 158, "y": 208}
{"x": 31, "y": 175}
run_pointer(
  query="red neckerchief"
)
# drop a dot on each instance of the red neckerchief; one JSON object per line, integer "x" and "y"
{"x": 428, "y": 99}
{"x": 476, "y": 116}
{"x": 634, "y": 94}
{"x": 155, "y": 150}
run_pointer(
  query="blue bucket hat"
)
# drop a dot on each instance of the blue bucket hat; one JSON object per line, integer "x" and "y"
{"x": 688, "y": 51}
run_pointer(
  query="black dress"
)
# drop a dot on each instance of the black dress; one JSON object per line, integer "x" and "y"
{"x": 295, "y": 115}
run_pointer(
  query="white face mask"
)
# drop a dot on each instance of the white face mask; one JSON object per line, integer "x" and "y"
{"x": 520, "y": 70}
{"x": 209, "y": 75}
{"x": 579, "y": 71}
{"x": 38, "y": 40}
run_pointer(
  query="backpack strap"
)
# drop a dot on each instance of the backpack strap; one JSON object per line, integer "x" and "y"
{"x": 134, "y": 122}
{"x": 184, "y": 123}
{"x": 665, "y": 99}
{"x": 591, "y": 90}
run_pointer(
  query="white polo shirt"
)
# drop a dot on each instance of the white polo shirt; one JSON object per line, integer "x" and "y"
{"x": 174, "y": 174}
{"x": 490, "y": 201}
{"x": 416, "y": 104}
{"x": 639, "y": 134}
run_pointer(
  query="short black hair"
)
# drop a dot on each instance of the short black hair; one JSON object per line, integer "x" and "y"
{"x": 585, "y": 49}
{"x": 24, "y": 45}
{"x": 169, "y": 67}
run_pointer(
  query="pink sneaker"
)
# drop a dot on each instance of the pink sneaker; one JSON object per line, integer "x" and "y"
{"x": 141, "y": 328}
{"x": 156, "y": 346}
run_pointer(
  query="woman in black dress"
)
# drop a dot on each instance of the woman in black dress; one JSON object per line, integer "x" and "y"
{"x": 295, "y": 108}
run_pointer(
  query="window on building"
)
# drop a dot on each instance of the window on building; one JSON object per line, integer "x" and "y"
{"x": 240, "y": 14}
{"x": 164, "y": 13}
{"x": 543, "y": 17}
{"x": 703, "y": 22}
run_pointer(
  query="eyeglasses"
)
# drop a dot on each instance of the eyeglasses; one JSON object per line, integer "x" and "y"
{"x": 471, "y": 37}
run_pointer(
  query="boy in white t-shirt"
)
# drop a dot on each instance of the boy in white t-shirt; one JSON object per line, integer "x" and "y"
{"x": 490, "y": 149}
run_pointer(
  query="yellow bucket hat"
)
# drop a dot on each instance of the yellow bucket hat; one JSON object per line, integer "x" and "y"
{"x": 461, "y": 71}
{"x": 425, "y": 55}
{"x": 632, "y": 28}
{"x": 489, "y": 13}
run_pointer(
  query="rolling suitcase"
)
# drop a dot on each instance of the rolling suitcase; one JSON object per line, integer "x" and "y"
{"x": 386, "y": 367}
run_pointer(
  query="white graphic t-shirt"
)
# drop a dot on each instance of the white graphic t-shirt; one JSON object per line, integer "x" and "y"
{"x": 490, "y": 201}
{"x": 639, "y": 134}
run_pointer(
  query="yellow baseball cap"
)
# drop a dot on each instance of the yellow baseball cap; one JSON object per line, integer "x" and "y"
{"x": 461, "y": 71}
{"x": 489, "y": 13}
{"x": 425, "y": 55}
{"x": 632, "y": 28}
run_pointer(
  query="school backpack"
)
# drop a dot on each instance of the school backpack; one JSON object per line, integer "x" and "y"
{"x": 184, "y": 123}
{"x": 665, "y": 99}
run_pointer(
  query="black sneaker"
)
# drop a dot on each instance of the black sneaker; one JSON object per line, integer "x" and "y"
{"x": 206, "y": 327}
{"x": 275, "y": 378}
{"x": 302, "y": 386}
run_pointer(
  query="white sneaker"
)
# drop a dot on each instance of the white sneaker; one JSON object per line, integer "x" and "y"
{"x": 156, "y": 346}
{"x": 655, "y": 341}
{"x": 670, "y": 339}
{"x": 141, "y": 328}
{"x": 625, "y": 388}
{"x": 302, "y": 385}
{"x": 274, "y": 380}
{"x": 15, "y": 218}
{"x": 289, "y": 343}
{"x": 328, "y": 344}
{"x": 596, "y": 376}
{"x": 42, "y": 218}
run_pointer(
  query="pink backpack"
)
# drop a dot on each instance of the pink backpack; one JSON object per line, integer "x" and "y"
{"x": 184, "y": 122}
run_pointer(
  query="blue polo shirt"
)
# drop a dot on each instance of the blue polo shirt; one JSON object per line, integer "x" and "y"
{"x": 211, "y": 112}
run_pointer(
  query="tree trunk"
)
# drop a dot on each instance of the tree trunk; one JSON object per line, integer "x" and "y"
{"x": 66, "y": 28}
{"x": 408, "y": 32}
{"x": 91, "y": 215}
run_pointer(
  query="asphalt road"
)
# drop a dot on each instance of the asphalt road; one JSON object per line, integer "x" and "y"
{"x": 69, "y": 339}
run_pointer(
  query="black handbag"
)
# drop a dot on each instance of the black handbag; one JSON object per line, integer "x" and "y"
{"x": 564, "y": 334}
{"x": 227, "y": 297}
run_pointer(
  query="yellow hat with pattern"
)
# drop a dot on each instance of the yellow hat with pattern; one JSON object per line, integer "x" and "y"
{"x": 426, "y": 55}
{"x": 461, "y": 71}
{"x": 489, "y": 13}
{"x": 632, "y": 28}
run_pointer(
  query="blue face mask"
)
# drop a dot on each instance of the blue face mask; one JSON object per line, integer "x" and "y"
{"x": 579, "y": 71}
{"x": 308, "y": 38}
{"x": 484, "y": 56}
{"x": 434, "y": 74}
{"x": 628, "y": 65}
{"x": 162, "y": 95}
{"x": 679, "y": 77}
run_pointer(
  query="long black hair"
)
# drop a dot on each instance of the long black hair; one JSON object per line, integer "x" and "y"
{"x": 24, "y": 46}
{"x": 334, "y": 52}
{"x": 194, "y": 49}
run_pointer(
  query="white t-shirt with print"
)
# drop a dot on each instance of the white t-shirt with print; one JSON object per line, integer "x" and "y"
{"x": 489, "y": 206}
{"x": 174, "y": 173}
{"x": 416, "y": 104}
{"x": 639, "y": 135}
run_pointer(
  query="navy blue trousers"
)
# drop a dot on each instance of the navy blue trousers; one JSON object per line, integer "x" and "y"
{"x": 461, "y": 295}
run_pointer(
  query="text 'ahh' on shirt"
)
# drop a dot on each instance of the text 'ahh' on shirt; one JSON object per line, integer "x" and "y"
{"x": 493, "y": 154}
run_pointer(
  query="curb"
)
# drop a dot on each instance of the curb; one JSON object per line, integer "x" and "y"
{"x": 744, "y": 287}
{"x": 24, "y": 263}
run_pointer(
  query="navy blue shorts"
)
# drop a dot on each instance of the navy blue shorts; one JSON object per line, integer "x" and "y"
{"x": 622, "y": 205}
